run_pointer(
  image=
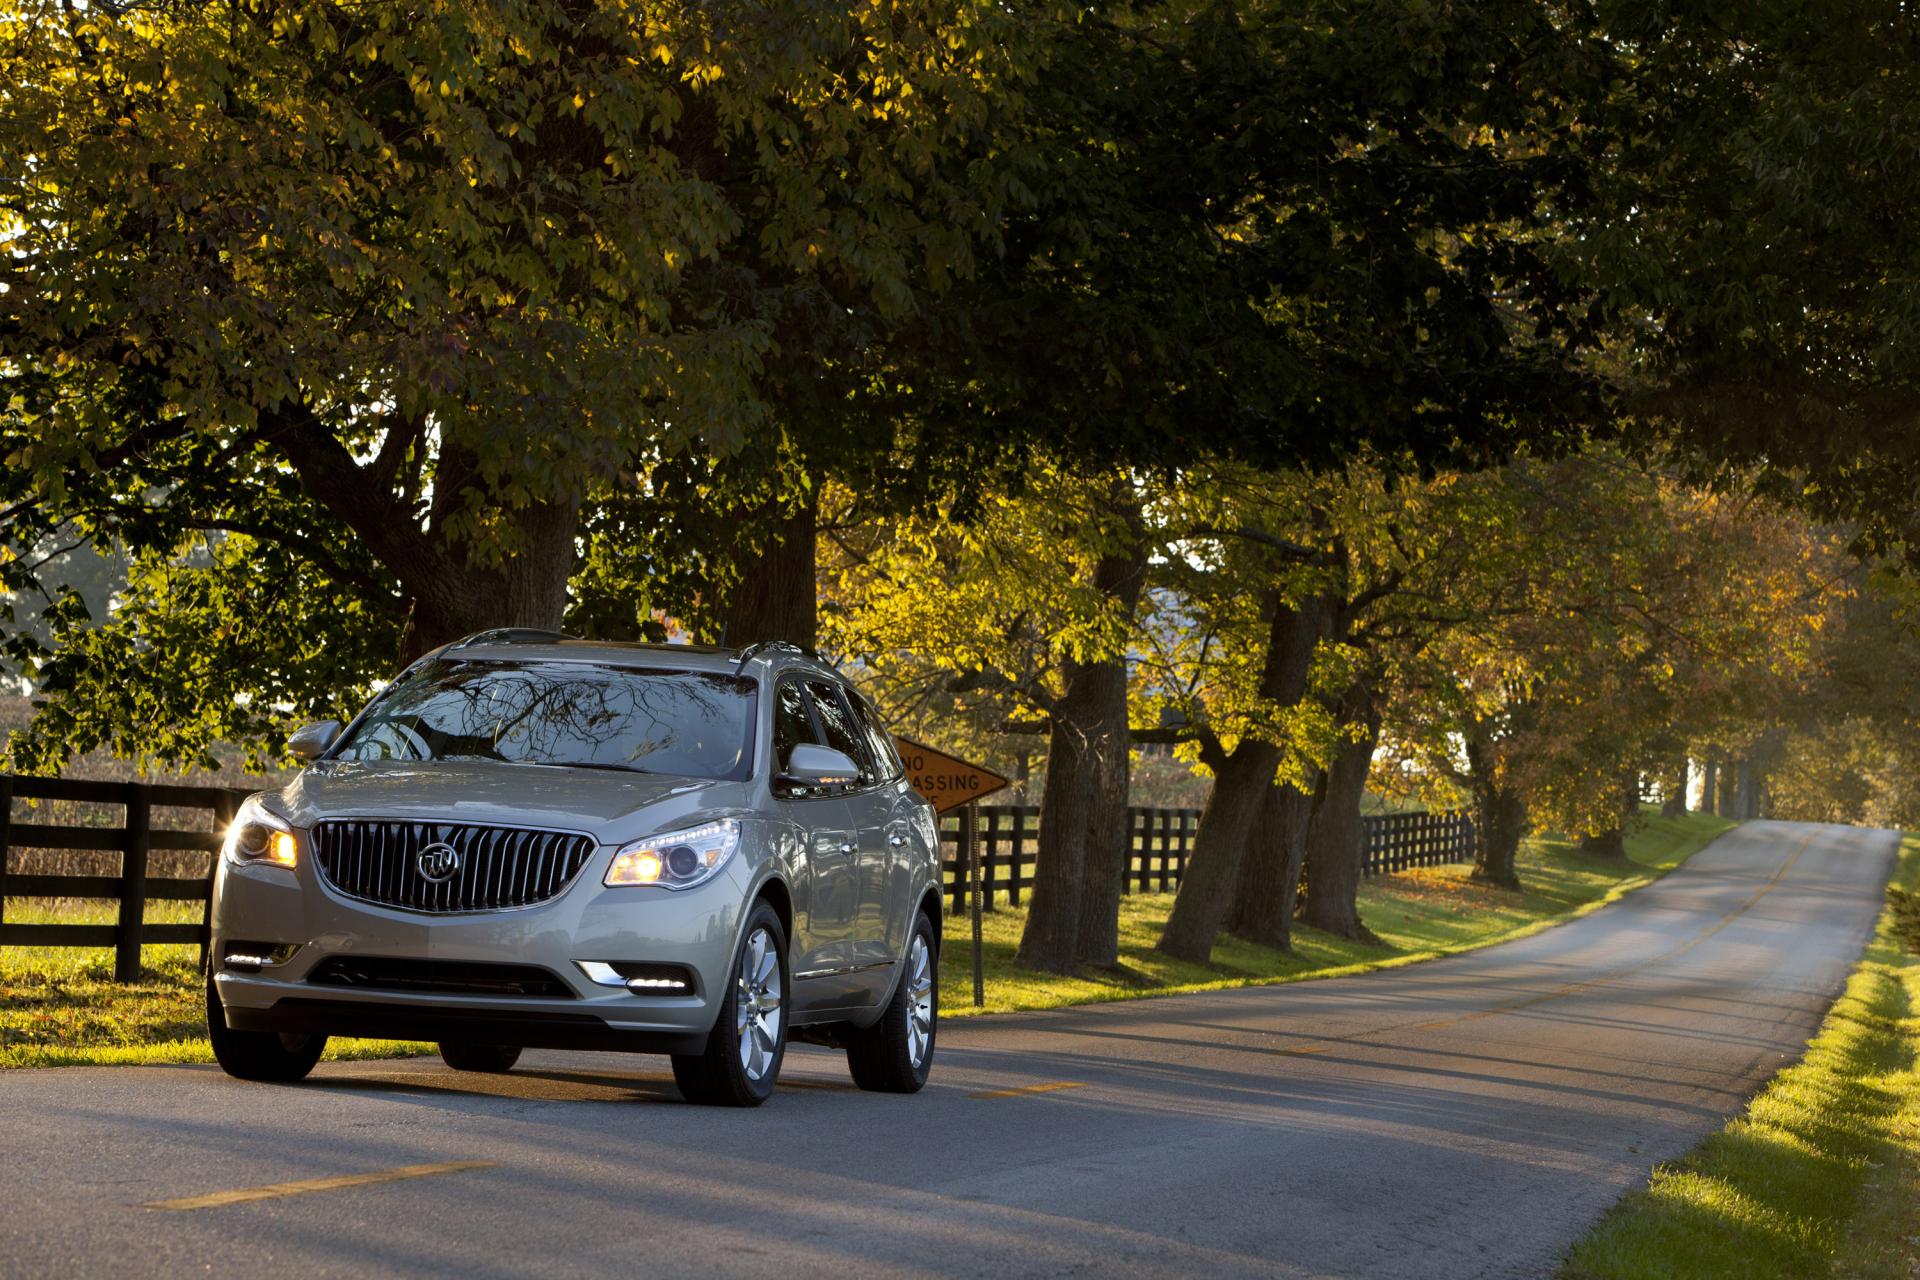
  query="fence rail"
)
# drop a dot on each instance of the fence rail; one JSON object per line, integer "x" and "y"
{"x": 1161, "y": 842}
{"x": 134, "y": 839}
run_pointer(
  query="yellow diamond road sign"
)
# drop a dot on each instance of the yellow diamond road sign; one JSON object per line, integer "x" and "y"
{"x": 941, "y": 778}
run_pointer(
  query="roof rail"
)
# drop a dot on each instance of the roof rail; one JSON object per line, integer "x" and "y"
{"x": 512, "y": 635}
{"x": 758, "y": 647}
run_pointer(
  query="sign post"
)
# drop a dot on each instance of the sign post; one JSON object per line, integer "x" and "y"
{"x": 970, "y": 843}
{"x": 952, "y": 783}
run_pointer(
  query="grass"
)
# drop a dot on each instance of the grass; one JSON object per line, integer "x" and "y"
{"x": 1821, "y": 1175}
{"x": 1418, "y": 915}
{"x": 59, "y": 1006}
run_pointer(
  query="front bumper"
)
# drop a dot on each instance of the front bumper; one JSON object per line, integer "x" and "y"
{"x": 696, "y": 929}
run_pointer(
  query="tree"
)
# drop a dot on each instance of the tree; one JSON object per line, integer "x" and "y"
{"x": 1756, "y": 244}
{"x": 405, "y": 295}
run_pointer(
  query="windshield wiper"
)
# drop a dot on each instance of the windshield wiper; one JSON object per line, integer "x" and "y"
{"x": 593, "y": 764}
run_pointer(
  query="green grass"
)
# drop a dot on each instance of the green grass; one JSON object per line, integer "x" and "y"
{"x": 1418, "y": 915}
{"x": 1821, "y": 1175}
{"x": 59, "y": 1006}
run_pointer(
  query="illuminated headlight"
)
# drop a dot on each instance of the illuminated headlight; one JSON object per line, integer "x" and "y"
{"x": 678, "y": 859}
{"x": 260, "y": 836}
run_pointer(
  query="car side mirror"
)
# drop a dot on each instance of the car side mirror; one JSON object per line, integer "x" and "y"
{"x": 813, "y": 766}
{"x": 310, "y": 740}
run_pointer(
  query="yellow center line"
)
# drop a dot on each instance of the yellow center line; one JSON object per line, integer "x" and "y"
{"x": 1025, "y": 1090}
{"x": 274, "y": 1190}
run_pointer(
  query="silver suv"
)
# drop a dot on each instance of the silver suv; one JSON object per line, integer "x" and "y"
{"x": 532, "y": 840}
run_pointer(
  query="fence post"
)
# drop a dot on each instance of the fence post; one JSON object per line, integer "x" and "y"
{"x": 223, "y": 814}
{"x": 990, "y": 859}
{"x": 1017, "y": 860}
{"x": 6, "y": 820}
{"x": 133, "y": 886}
{"x": 970, "y": 849}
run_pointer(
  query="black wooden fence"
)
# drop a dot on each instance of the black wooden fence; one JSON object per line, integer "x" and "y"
{"x": 1162, "y": 839}
{"x": 1009, "y": 836}
{"x": 134, "y": 839}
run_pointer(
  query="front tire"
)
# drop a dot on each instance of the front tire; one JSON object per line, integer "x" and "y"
{"x": 741, "y": 1061}
{"x": 493, "y": 1059}
{"x": 895, "y": 1054}
{"x": 258, "y": 1055}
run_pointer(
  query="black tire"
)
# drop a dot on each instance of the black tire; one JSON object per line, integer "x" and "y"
{"x": 495, "y": 1059}
{"x": 258, "y": 1055}
{"x": 719, "y": 1075}
{"x": 895, "y": 1054}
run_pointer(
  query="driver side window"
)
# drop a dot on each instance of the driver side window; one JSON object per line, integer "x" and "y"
{"x": 792, "y": 725}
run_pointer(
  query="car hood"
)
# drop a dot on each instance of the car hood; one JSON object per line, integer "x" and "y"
{"x": 599, "y": 802}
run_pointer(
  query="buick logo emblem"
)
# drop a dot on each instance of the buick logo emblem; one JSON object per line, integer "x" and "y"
{"x": 438, "y": 862}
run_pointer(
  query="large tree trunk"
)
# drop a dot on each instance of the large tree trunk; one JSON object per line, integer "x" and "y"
{"x": 1074, "y": 914}
{"x": 527, "y": 589}
{"x": 775, "y": 593}
{"x": 1336, "y": 839}
{"x": 1709, "y": 776}
{"x": 1269, "y": 888}
{"x": 1242, "y": 782}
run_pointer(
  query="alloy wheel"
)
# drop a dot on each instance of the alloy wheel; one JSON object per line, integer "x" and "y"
{"x": 758, "y": 1012}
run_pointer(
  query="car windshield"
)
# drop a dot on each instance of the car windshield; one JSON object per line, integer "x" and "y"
{"x": 686, "y": 724}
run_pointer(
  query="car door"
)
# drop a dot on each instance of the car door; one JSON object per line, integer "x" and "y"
{"x": 870, "y": 810}
{"x": 895, "y": 880}
{"x": 827, "y": 910}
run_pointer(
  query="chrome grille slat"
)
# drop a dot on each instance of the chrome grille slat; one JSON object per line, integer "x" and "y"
{"x": 500, "y": 867}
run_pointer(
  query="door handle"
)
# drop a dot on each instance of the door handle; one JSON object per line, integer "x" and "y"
{"x": 846, "y": 846}
{"x": 897, "y": 839}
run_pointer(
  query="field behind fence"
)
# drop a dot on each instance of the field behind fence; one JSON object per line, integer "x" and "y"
{"x": 131, "y": 843}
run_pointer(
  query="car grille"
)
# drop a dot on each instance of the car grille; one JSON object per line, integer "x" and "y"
{"x": 457, "y": 977}
{"x": 499, "y": 867}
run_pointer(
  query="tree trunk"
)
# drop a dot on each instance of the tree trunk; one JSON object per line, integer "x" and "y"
{"x": 1499, "y": 815}
{"x": 1240, "y": 790}
{"x": 1709, "y": 776}
{"x": 1052, "y": 931}
{"x": 528, "y": 589}
{"x": 1747, "y": 800}
{"x": 1242, "y": 782}
{"x": 1085, "y": 844}
{"x": 775, "y": 592}
{"x": 1336, "y": 838}
{"x": 1673, "y": 801}
{"x": 1612, "y": 843}
{"x": 1730, "y": 775}
{"x": 1269, "y": 888}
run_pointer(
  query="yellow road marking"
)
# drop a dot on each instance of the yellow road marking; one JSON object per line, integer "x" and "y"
{"x": 1024, "y": 1090}
{"x": 277, "y": 1189}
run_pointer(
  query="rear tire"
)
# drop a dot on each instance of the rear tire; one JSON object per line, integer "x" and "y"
{"x": 741, "y": 1061}
{"x": 494, "y": 1059}
{"x": 258, "y": 1055}
{"x": 895, "y": 1054}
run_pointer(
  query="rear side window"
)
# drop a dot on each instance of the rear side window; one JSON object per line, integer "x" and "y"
{"x": 792, "y": 725}
{"x": 886, "y": 756}
{"x": 842, "y": 730}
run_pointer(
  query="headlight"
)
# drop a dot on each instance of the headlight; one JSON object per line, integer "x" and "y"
{"x": 260, "y": 836}
{"x": 678, "y": 859}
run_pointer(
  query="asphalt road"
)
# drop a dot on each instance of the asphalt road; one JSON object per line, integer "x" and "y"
{"x": 1468, "y": 1117}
